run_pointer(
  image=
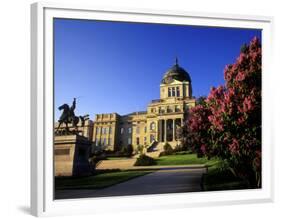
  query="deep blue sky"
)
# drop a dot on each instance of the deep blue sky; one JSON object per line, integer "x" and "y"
{"x": 117, "y": 67}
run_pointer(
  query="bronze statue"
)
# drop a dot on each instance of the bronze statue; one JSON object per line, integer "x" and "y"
{"x": 68, "y": 116}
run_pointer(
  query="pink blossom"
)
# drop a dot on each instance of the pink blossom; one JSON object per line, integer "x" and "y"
{"x": 234, "y": 146}
{"x": 240, "y": 76}
{"x": 203, "y": 148}
{"x": 247, "y": 104}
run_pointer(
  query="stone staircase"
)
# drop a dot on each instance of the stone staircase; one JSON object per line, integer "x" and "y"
{"x": 155, "y": 149}
{"x": 154, "y": 154}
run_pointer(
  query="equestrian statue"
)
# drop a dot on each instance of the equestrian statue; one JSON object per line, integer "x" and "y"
{"x": 68, "y": 117}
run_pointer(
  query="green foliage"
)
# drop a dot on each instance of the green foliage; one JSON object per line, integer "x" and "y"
{"x": 124, "y": 150}
{"x": 127, "y": 150}
{"x": 130, "y": 150}
{"x": 178, "y": 148}
{"x": 227, "y": 124}
{"x": 145, "y": 160}
{"x": 168, "y": 148}
{"x": 140, "y": 149}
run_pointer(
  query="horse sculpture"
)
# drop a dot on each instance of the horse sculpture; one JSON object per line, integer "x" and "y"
{"x": 68, "y": 116}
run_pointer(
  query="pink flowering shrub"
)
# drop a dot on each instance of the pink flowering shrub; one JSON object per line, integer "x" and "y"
{"x": 227, "y": 124}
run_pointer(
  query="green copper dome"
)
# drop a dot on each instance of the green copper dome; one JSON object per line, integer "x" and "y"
{"x": 175, "y": 73}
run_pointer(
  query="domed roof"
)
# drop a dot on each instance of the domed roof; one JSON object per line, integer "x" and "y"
{"x": 175, "y": 73}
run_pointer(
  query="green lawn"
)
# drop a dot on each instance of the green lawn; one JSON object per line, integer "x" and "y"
{"x": 99, "y": 181}
{"x": 184, "y": 159}
{"x": 117, "y": 158}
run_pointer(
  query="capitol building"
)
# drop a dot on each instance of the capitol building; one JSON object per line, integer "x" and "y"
{"x": 157, "y": 125}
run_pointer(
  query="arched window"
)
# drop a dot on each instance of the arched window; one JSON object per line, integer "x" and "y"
{"x": 152, "y": 126}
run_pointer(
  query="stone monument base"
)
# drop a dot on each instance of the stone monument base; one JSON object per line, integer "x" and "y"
{"x": 71, "y": 154}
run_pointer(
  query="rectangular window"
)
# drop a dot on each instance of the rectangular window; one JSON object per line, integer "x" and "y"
{"x": 138, "y": 141}
{"x": 169, "y": 92}
{"x": 145, "y": 129}
{"x": 169, "y": 110}
{"x": 130, "y": 130}
{"x": 109, "y": 141}
{"x": 109, "y": 130}
{"x": 173, "y": 92}
{"x": 122, "y": 131}
{"x": 178, "y": 91}
{"x": 104, "y": 141}
{"x": 129, "y": 141}
{"x": 97, "y": 130}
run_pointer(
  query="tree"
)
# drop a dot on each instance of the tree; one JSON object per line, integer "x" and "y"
{"x": 228, "y": 123}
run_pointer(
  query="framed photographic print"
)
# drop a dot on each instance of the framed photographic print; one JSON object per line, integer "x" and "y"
{"x": 135, "y": 109}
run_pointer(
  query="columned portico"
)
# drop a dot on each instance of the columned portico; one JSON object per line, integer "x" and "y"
{"x": 168, "y": 129}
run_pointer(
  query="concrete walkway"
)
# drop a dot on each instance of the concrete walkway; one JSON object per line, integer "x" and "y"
{"x": 166, "y": 180}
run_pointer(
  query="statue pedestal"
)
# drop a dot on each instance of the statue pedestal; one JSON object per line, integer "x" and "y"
{"x": 71, "y": 154}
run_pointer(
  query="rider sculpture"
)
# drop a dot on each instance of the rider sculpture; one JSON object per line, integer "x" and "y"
{"x": 68, "y": 116}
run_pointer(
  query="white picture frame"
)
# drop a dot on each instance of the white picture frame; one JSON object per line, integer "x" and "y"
{"x": 42, "y": 202}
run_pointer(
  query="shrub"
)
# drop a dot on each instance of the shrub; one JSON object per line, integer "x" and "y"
{"x": 145, "y": 160}
{"x": 140, "y": 149}
{"x": 130, "y": 150}
{"x": 124, "y": 150}
{"x": 168, "y": 150}
{"x": 178, "y": 148}
{"x": 127, "y": 150}
{"x": 227, "y": 124}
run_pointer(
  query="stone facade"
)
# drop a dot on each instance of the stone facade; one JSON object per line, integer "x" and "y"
{"x": 158, "y": 124}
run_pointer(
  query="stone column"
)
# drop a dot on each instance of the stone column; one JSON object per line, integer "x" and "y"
{"x": 174, "y": 130}
{"x": 108, "y": 136}
{"x": 159, "y": 130}
{"x": 165, "y": 130}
